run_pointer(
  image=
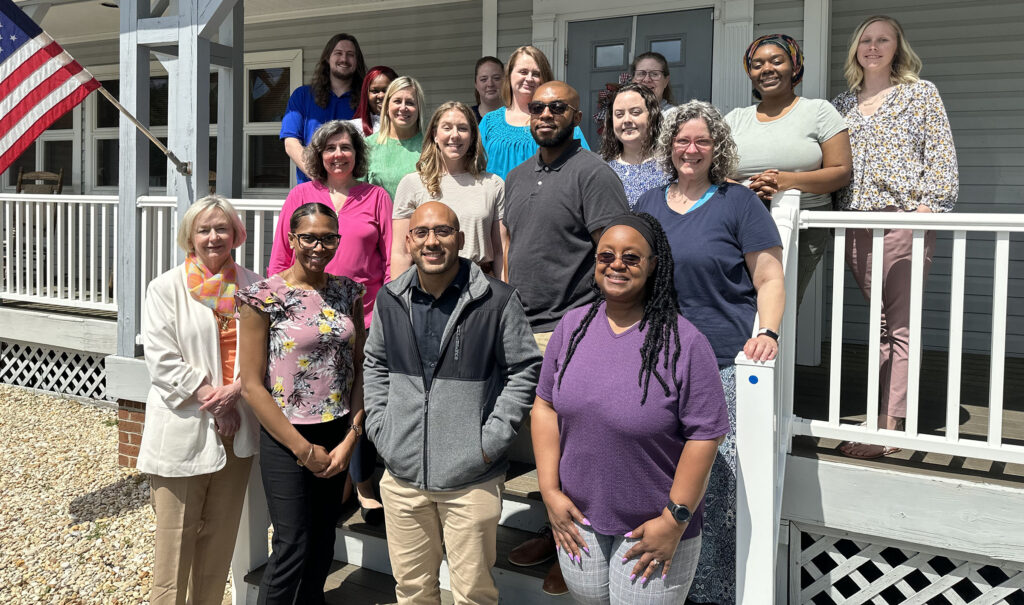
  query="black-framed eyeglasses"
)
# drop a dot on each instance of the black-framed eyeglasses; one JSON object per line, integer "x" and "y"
{"x": 629, "y": 259}
{"x": 440, "y": 231}
{"x": 309, "y": 242}
{"x": 557, "y": 107}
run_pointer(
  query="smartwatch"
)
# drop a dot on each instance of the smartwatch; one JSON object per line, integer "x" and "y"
{"x": 769, "y": 333}
{"x": 679, "y": 512}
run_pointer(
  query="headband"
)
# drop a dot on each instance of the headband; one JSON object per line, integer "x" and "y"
{"x": 634, "y": 221}
{"x": 796, "y": 56}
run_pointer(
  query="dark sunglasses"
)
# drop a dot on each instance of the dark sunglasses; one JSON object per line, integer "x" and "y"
{"x": 557, "y": 107}
{"x": 441, "y": 231}
{"x": 308, "y": 242}
{"x": 629, "y": 259}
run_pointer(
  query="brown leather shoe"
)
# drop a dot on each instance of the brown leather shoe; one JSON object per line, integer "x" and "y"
{"x": 554, "y": 583}
{"x": 535, "y": 550}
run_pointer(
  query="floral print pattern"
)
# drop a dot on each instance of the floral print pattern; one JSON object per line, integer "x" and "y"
{"x": 903, "y": 154}
{"x": 310, "y": 360}
{"x": 638, "y": 179}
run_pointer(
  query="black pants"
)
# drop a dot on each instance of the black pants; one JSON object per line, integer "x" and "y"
{"x": 304, "y": 510}
{"x": 364, "y": 461}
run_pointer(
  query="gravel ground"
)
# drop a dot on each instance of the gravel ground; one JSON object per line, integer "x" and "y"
{"x": 75, "y": 527}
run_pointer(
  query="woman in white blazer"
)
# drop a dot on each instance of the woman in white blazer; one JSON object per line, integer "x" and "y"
{"x": 199, "y": 438}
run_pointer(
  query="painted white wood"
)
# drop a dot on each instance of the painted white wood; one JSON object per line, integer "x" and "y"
{"x": 969, "y": 517}
{"x": 127, "y": 378}
{"x": 836, "y": 353}
{"x": 251, "y": 542}
{"x": 874, "y": 320}
{"x": 816, "y": 43}
{"x": 58, "y": 330}
{"x": 489, "y": 29}
{"x": 956, "y": 335}
{"x": 914, "y": 353}
{"x": 998, "y": 358}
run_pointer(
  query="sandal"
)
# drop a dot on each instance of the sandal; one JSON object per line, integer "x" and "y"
{"x": 865, "y": 451}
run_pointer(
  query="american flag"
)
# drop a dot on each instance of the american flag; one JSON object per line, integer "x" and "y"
{"x": 39, "y": 82}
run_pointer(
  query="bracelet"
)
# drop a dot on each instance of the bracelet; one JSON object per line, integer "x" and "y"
{"x": 308, "y": 456}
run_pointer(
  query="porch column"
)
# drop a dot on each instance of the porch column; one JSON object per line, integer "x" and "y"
{"x": 730, "y": 88}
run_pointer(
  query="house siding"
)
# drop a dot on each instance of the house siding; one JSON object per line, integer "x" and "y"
{"x": 515, "y": 26}
{"x": 972, "y": 52}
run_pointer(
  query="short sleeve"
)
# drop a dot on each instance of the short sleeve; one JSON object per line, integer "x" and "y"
{"x": 292, "y": 121}
{"x": 259, "y": 296}
{"x": 702, "y": 409}
{"x": 345, "y": 293}
{"x": 407, "y": 196}
{"x": 603, "y": 197}
{"x": 830, "y": 122}
{"x": 499, "y": 197}
{"x": 756, "y": 229}
{"x": 552, "y": 363}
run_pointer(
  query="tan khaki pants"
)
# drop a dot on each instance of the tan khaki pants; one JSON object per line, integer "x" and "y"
{"x": 196, "y": 525}
{"x": 465, "y": 521}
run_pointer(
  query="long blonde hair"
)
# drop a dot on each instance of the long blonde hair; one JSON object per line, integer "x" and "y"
{"x": 431, "y": 167}
{"x": 546, "y": 75}
{"x": 906, "y": 65}
{"x": 399, "y": 83}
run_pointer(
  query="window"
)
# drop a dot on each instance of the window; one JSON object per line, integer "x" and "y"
{"x": 609, "y": 55}
{"x": 270, "y": 79}
{"x": 53, "y": 151}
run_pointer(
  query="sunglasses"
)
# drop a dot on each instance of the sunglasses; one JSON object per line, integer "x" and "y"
{"x": 629, "y": 259}
{"x": 557, "y": 107}
{"x": 309, "y": 242}
{"x": 440, "y": 231}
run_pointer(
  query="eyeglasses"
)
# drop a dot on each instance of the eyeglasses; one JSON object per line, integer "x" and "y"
{"x": 440, "y": 231}
{"x": 653, "y": 74}
{"x": 629, "y": 259}
{"x": 309, "y": 242}
{"x": 704, "y": 144}
{"x": 557, "y": 107}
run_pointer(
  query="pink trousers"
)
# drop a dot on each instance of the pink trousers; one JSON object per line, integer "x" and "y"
{"x": 895, "y": 324}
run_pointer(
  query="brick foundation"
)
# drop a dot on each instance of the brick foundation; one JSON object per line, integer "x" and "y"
{"x": 131, "y": 416}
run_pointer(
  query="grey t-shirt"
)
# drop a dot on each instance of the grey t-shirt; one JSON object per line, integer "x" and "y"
{"x": 550, "y": 211}
{"x": 478, "y": 201}
{"x": 791, "y": 143}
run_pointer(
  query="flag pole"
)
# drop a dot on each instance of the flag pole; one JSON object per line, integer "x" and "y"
{"x": 184, "y": 168}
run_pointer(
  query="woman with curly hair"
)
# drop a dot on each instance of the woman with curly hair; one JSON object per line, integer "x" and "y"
{"x": 728, "y": 267}
{"x": 664, "y": 427}
{"x": 631, "y": 127}
{"x": 451, "y": 170}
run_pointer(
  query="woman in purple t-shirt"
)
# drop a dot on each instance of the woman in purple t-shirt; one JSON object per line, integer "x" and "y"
{"x": 622, "y": 462}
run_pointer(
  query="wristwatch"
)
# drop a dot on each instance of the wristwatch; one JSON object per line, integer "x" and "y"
{"x": 769, "y": 333}
{"x": 680, "y": 512}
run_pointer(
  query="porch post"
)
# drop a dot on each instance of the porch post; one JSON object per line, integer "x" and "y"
{"x": 730, "y": 88}
{"x": 230, "y": 96}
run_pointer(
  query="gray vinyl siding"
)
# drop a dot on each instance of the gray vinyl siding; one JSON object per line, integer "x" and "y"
{"x": 974, "y": 54}
{"x": 515, "y": 26}
{"x": 779, "y": 17}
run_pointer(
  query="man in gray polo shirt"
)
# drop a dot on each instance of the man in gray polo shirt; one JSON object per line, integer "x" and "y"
{"x": 556, "y": 205}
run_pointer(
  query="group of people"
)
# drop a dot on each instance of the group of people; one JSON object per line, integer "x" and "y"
{"x": 433, "y": 292}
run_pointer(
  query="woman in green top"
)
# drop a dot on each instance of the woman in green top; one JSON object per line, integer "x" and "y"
{"x": 395, "y": 148}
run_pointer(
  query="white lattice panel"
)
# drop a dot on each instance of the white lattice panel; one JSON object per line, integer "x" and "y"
{"x": 828, "y": 567}
{"x": 57, "y": 371}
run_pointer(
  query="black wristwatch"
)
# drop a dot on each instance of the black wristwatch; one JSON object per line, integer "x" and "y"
{"x": 680, "y": 512}
{"x": 769, "y": 333}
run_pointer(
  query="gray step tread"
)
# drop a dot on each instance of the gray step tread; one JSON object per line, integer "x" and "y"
{"x": 348, "y": 584}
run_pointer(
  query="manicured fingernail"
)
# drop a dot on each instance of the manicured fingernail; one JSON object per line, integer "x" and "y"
{"x": 558, "y": 548}
{"x": 579, "y": 559}
{"x": 586, "y": 550}
{"x": 629, "y": 534}
{"x": 624, "y": 559}
{"x": 587, "y": 523}
{"x": 663, "y": 576}
{"x": 643, "y": 580}
{"x": 632, "y": 576}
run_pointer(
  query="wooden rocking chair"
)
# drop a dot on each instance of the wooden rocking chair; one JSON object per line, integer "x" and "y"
{"x": 40, "y": 182}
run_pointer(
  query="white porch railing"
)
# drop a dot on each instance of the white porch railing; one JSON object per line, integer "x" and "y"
{"x": 59, "y": 249}
{"x": 766, "y": 423}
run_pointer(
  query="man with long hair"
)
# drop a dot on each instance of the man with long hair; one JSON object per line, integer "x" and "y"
{"x": 332, "y": 95}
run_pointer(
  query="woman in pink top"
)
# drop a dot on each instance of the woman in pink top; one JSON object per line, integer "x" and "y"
{"x": 335, "y": 159}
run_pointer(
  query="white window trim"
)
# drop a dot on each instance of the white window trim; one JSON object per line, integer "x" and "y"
{"x": 72, "y": 182}
{"x": 292, "y": 59}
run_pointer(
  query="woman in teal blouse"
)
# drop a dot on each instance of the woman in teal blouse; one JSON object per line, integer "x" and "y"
{"x": 396, "y": 147}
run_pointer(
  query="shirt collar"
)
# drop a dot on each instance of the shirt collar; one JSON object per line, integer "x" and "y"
{"x": 459, "y": 282}
{"x": 560, "y": 161}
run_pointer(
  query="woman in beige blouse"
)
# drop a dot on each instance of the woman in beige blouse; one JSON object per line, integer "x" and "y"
{"x": 903, "y": 161}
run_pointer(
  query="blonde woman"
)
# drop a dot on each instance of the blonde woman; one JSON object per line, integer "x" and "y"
{"x": 451, "y": 170}
{"x": 396, "y": 147}
{"x": 199, "y": 438}
{"x": 506, "y": 131}
{"x": 903, "y": 161}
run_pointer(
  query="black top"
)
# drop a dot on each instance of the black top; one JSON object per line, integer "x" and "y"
{"x": 550, "y": 212}
{"x": 430, "y": 316}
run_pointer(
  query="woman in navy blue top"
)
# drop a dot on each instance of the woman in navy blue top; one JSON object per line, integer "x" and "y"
{"x": 728, "y": 267}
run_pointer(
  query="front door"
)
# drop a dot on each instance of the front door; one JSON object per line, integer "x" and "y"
{"x": 602, "y": 49}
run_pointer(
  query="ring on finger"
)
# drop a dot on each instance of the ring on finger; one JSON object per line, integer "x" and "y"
{"x": 655, "y": 562}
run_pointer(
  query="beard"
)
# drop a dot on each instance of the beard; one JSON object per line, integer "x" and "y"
{"x": 337, "y": 73}
{"x": 557, "y": 139}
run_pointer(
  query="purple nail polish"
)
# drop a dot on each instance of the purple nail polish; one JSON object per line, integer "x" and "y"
{"x": 632, "y": 577}
{"x": 587, "y": 523}
{"x": 624, "y": 559}
{"x": 663, "y": 576}
{"x": 643, "y": 581}
{"x": 579, "y": 559}
{"x": 629, "y": 534}
{"x": 558, "y": 548}
{"x": 586, "y": 550}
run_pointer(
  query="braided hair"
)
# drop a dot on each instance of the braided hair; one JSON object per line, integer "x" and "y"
{"x": 661, "y": 315}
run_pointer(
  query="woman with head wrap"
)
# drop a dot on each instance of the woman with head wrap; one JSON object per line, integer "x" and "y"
{"x": 789, "y": 142}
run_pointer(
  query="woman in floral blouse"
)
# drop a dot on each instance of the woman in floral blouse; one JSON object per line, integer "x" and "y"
{"x": 903, "y": 161}
{"x": 302, "y": 374}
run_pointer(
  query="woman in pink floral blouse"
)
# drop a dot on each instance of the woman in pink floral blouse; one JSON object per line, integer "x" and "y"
{"x": 903, "y": 161}
{"x": 302, "y": 340}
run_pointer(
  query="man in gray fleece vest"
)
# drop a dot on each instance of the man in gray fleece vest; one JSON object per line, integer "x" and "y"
{"x": 450, "y": 372}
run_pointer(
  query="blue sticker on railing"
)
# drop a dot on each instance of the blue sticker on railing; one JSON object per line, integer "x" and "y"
{"x": 753, "y": 379}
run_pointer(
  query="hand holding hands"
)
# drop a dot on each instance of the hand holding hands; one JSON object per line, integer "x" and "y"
{"x": 339, "y": 459}
{"x": 562, "y": 513}
{"x": 219, "y": 400}
{"x": 658, "y": 541}
{"x": 227, "y": 424}
{"x": 765, "y": 184}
